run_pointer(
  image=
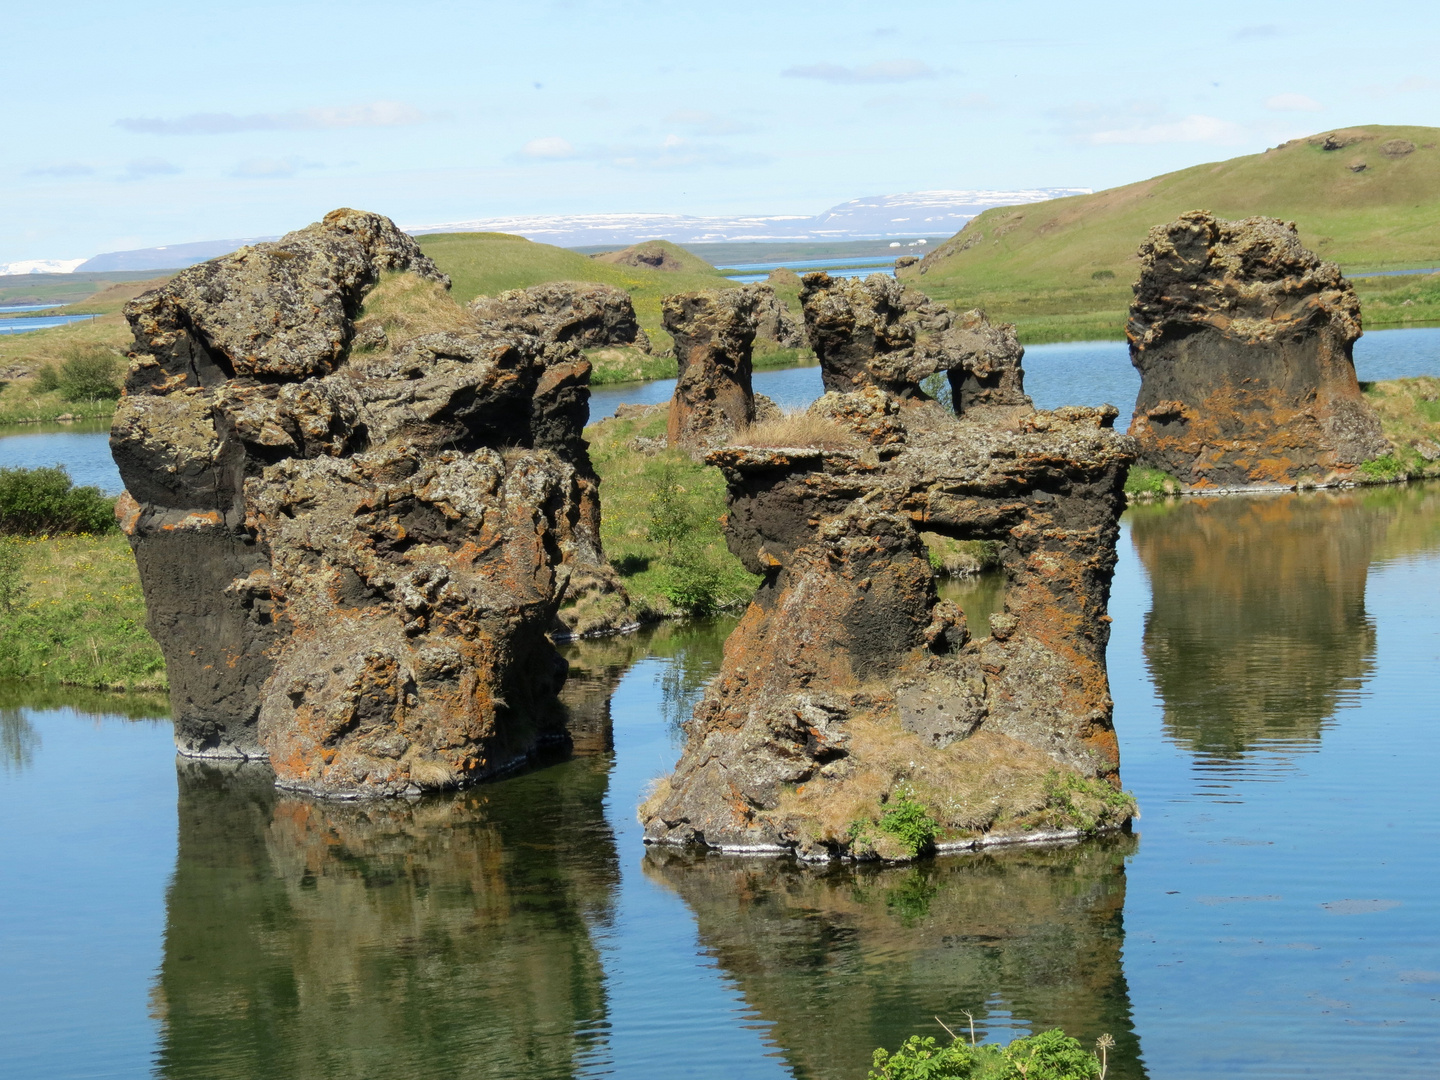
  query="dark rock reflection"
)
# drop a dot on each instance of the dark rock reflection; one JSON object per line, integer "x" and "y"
{"x": 444, "y": 938}
{"x": 1257, "y": 630}
{"x": 842, "y": 959}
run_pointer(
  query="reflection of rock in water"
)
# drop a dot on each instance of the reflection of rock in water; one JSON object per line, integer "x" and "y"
{"x": 18, "y": 740}
{"x": 841, "y": 959}
{"x": 447, "y": 937}
{"x": 1257, "y": 628}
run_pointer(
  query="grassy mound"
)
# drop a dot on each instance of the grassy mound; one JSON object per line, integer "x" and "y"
{"x": 1063, "y": 269}
{"x": 483, "y": 264}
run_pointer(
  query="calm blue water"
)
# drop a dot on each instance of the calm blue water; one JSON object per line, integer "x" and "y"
{"x": 5, "y": 308}
{"x": 23, "y": 325}
{"x": 1072, "y": 373}
{"x": 1277, "y": 915}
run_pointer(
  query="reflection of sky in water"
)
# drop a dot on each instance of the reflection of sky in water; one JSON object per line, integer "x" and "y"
{"x": 1284, "y": 924}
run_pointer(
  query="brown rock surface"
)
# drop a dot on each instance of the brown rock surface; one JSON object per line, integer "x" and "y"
{"x": 875, "y": 332}
{"x": 848, "y": 682}
{"x": 1243, "y": 341}
{"x": 580, "y": 312}
{"x": 650, "y": 255}
{"x": 351, "y": 562}
{"x": 714, "y": 333}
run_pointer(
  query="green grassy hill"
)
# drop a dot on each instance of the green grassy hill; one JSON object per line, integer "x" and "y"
{"x": 483, "y": 264}
{"x": 1366, "y": 197}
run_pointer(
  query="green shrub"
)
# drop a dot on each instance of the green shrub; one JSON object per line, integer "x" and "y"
{"x": 1103, "y": 275}
{"x": 1050, "y": 1055}
{"x": 1147, "y": 481}
{"x": 1075, "y": 801}
{"x": 89, "y": 372}
{"x": 909, "y": 822}
{"x": 692, "y": 579}
{"x": 47, "y": 380}
{"x": 44, "y": 501}
{"x": 1392, "y": 467}
{"x": 673, "y": 513}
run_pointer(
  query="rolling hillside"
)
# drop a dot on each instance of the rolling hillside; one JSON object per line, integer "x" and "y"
{"x": 1365, "y": 197}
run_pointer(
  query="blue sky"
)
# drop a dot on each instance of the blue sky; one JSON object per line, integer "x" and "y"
{"x": 164, "y": 122}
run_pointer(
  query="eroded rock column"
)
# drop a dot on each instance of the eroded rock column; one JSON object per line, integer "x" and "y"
{"x": 849, "y": 684}
{"x": 1243, "y": 340}
{"x": 714, "y": 334}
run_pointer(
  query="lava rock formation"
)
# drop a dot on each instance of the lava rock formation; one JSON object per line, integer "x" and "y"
{"x": 1243, "y": 341}
{"x": 849, "y": 685}
{"x": 356, "y": 508}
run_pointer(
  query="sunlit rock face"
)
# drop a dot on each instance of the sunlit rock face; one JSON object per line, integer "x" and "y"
{"x": 875, "y": 332}
{"x": 1243, "y": 341}
{"x": 848, "y": 682}
{"x": 714, "y": 333}
{"x": 356, "y": 509}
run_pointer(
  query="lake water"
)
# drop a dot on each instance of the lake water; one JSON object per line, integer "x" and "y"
{"x": 24, "y": 324}
{"x": 1072, "y": 373}
{"x": 1274, "y": 915}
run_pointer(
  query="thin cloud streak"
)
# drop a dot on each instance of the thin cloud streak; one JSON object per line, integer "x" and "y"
{"x": 884, "y": 71}
{"x": 375, "y": 114}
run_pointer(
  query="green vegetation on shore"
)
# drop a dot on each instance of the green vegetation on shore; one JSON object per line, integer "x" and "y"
{"x": 483, "y": 264}
{"x": 662, "y": 522}
{"x": 76, "y": 614}
{"x": 1062, "y": 270}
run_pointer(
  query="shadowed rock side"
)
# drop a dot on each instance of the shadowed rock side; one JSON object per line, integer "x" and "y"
{"x": 875, "y": 332}
{"x": 840, "y": 960}
{"x": 848, "y": 681}
{"x": 308, "y": 940}
{"x": 714, "y": 333}
{"x": 351, "y": 556}
{"x": 1243, "y": 341}
{"x": 1245, "y": 588}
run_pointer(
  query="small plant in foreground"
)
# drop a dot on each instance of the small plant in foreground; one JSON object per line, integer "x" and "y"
{"x": 1050, "y": 1055}
{"x": 88, "y": 373}
{"x": 902, "y": 818}
{"x": 1075, "y": 801}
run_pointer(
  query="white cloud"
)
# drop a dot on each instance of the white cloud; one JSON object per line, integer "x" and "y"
{"x": 375, "y": 114}
{"x": 1191, "y": 129}
{"x": 551, "y": 147}
{"x": 69, "y": 170}
{"x": 670, "y": 153}
{"x": 701, "y": 122}
{"x": 271, "y": 168}
{"x": 884, "y": 71}
{"x": 150, "y": 166}
{"x": 1293, "y": 103}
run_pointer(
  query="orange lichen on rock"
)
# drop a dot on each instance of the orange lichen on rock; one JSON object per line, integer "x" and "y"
{"x": 1243, "y": 340}
{"x": 849, "y": 681}
{"x": 352, "y": 557}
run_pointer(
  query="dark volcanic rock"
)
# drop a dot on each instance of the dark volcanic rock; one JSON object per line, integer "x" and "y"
{"x": 1243, "y": 341}
{"x": 582, "y": 312}
{"x": 714, "y": 334}
{"x": 848, "y": 681}
{"x": 351, "y": 558}
{"x": 876, "y": 332}
{"x": 773, "y": 321}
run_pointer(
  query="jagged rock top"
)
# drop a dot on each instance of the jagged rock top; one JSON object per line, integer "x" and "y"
{"x": 278, "y": 311}
{"x": 585, "y": 313}
{"x": 1252, "y": 280}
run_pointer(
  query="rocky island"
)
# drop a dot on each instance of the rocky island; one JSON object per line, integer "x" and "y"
{"x": 357, "y": 507}
{"x": 851, "y": 695}
{"x": 1244, "y": 340}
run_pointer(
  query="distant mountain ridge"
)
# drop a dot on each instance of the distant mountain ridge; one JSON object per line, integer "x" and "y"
{"x": 876, "y": 217}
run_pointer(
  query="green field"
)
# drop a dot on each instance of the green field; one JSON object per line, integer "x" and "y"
{"x": 1063, "y": 269}
{"x": 483, "y": 264}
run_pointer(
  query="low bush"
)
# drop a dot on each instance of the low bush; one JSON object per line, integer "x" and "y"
{"x": 1150, "y": 482}
{"x": 1050, "y": 1055}
{"x": 89, "y": 373}
{"x": 35, "y": 502}
{"x": 906, "y": 822}
{"x": 1075, "y": 801}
